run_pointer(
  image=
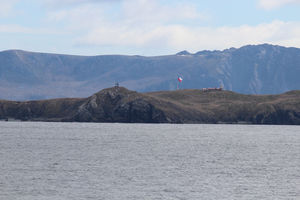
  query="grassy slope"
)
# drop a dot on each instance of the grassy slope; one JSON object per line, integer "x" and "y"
{"x": 45, "y": 110}
{"x": 226, "y": 106}
{"x": 182, "y": 106}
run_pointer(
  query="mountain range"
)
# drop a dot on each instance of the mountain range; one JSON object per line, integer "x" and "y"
{"x": 252, "y": 69}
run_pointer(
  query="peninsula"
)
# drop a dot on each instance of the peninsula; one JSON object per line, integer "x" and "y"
{"x": 118, "y": 104}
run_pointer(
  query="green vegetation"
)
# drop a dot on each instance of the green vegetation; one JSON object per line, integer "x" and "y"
{"x": 118, "y": 104}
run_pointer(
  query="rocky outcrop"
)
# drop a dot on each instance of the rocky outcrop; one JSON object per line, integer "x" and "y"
{"x": 118, "y": 104}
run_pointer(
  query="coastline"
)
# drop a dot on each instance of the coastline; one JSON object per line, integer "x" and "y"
{"x": 120, "y": 105}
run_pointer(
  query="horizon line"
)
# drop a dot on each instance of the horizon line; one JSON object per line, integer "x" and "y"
{"x": 119, "y": 54}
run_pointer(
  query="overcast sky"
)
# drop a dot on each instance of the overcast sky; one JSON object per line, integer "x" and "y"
{"x": 146, "y": 27}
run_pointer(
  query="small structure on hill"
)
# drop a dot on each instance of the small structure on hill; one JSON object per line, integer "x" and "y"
{"x": 213, "y": 89}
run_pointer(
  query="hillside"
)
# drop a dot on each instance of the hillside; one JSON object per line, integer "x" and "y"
{"x": 253, "y": 69}
{"x": 118, "y": 104}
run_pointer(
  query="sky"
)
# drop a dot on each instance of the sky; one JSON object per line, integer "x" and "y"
{"x": 146, "y": 27}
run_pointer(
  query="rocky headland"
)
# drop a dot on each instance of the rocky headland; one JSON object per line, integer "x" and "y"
{"x": 118, "y": 104}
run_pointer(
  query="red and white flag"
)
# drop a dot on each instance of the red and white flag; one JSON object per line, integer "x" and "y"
{"x": 180, "y": 79}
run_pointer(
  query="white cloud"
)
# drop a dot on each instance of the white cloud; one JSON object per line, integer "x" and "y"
{"x": 12, "y": 28}
{"x": 145, "y": 11}
{"x": 145, "y": 24}
{"x": 132, "y": 12}
{"x": 78, "y": 18}
{"x": 15, "y": 28}
{"x": 149, "y": 24}
{"x": 179, "y": 37}
{"x": 273, "y": 4}
{"x": 6, "y": 7}
{"x": 68, "y": 3}
{"x": 137, "y": 23}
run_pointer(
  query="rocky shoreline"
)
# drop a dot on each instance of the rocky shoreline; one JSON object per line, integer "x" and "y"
{"x": 118, "y": 104}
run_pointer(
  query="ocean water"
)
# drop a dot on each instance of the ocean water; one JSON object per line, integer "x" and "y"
{"x": 62, "y": 161}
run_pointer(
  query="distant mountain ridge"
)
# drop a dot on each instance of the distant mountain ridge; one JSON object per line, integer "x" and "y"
{"x": 252, "y": 69}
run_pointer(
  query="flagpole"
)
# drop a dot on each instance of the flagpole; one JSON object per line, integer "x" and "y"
{"x": 179, "y": 80}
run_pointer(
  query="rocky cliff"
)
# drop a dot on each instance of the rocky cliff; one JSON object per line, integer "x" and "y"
{"x": 118, "y": 104}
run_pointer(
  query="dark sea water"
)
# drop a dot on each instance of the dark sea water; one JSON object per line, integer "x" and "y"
{"x": 58, "y": 161}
